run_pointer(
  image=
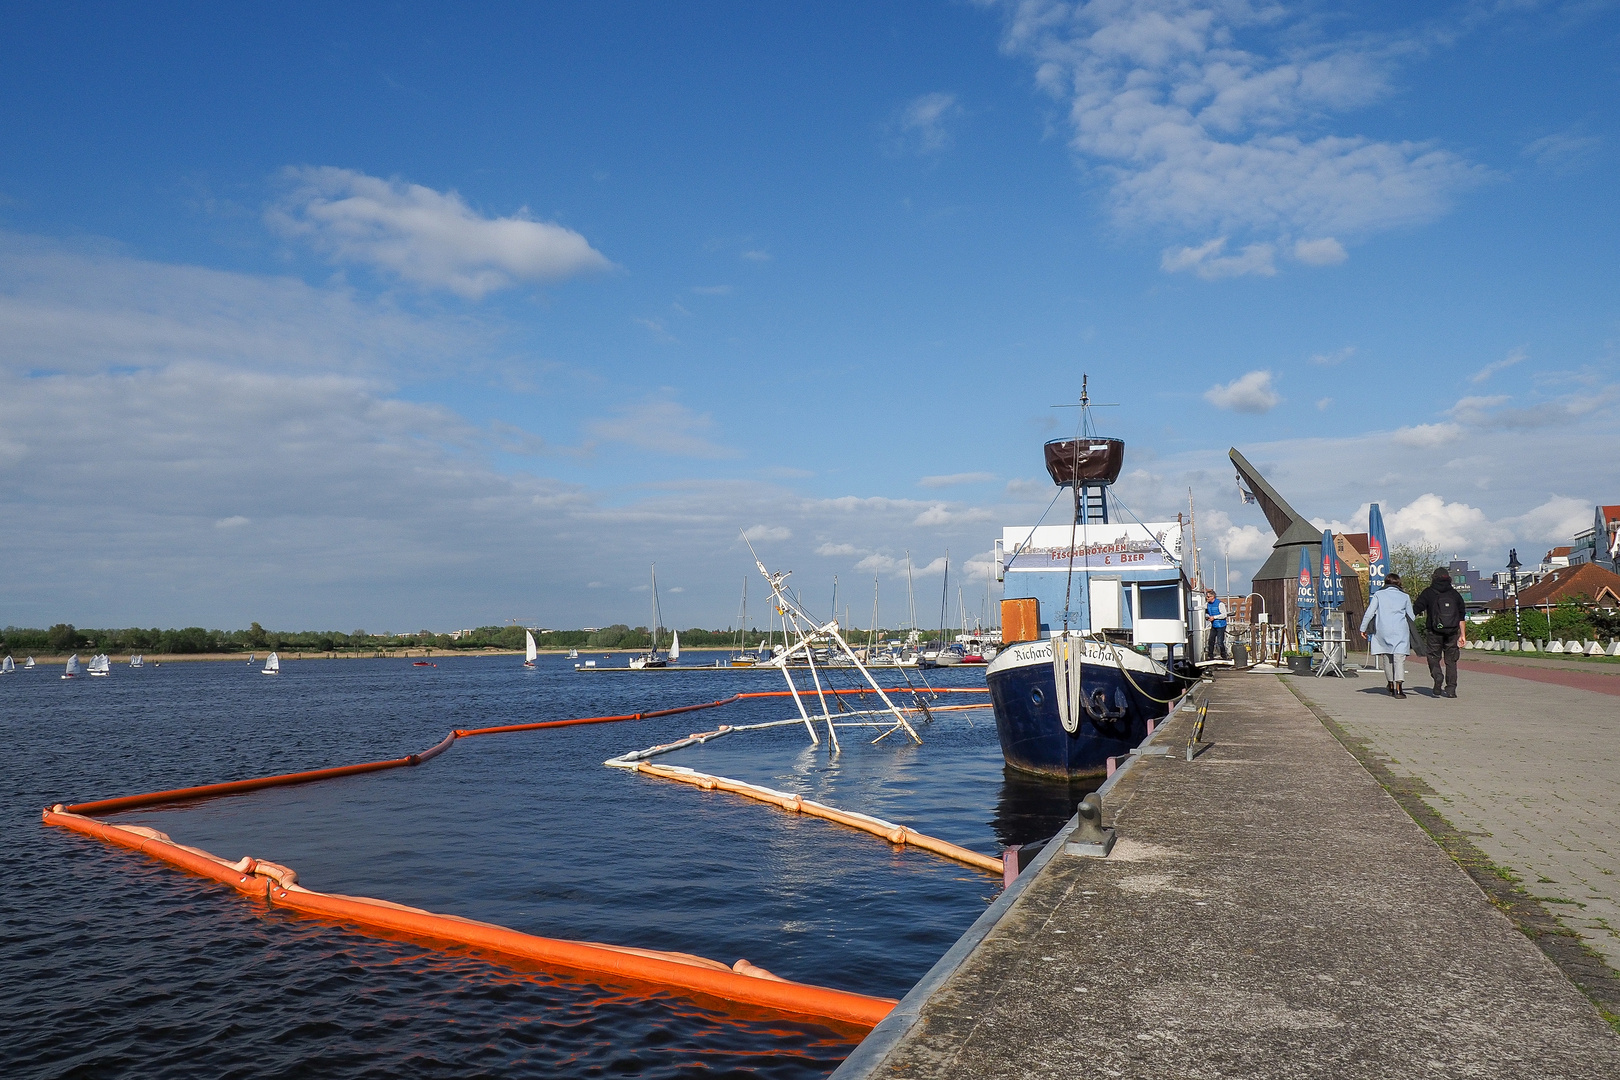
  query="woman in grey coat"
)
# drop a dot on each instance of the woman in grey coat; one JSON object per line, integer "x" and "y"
{"x": 1390, "y": 614}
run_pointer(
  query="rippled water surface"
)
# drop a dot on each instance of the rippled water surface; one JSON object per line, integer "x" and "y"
{"x": 118, "y": 966}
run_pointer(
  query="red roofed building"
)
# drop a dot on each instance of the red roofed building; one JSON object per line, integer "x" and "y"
{"x": 1606, "y": 530}
{"x": 1586, "y": 583}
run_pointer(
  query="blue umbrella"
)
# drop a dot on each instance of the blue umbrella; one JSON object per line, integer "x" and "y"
{"x": 1377, "y": 550}
{"x": 1332, "y": 581}
{"x": 1306, "y": 593}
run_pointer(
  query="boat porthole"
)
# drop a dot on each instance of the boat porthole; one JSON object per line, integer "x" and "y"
{"x": 1036, "y": 697}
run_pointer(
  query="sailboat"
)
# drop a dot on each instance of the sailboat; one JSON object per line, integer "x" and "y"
{"x": 251, "y": 658}
{"x": 653, "y": 658}
{"x": 740, "y": 656}
{"x": 272, "y": 665}
{"x": 573, "y": 654}
{"x": 73, "y": 670}
{"x": 7, "y": 666}
{"x": 100, "y": 665}
{"x": 29, "y": 666}
{"x": 137, "y": 660}
{"x": 530, "y": 653}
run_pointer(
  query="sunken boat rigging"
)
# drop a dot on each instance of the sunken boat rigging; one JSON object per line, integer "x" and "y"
{"x": 1095, "y": 620}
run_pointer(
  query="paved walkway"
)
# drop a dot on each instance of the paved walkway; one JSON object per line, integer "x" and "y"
{"x": 1269, "y": 911}
{"x": 1529, "y": 771}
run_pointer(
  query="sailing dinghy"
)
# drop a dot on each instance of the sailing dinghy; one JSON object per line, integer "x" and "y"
{"x": 73, "y": 670}
{"x": 29, "y": 666}
{"x": 272, "y": 665}
{"x": 137, "y": 660}
{"x": 7, "y": 666}
{"x": 100, "y": 665}
{"x": 530, "y": 653}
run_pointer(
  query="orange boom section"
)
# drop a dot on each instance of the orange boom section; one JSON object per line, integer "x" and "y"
{"x": 277, "y": 885}
{"x": 798, "y": 804}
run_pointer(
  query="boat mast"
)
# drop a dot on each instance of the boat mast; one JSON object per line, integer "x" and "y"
{"x": 658, "y": 616}
{"x": 871, "y": 635}
{"x": 944, "y": 595}
{"x": 911, "y": 600}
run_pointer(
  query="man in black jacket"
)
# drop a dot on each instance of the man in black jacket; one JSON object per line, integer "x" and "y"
{"x": 1444, "y": 607}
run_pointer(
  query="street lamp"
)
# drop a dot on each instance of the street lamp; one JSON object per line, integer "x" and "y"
{"x": 1513, "y": 571}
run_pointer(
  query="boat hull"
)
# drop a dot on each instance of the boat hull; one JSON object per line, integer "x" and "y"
{"x": 1023, "y": 693}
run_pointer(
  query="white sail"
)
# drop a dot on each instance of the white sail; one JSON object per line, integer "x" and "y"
{"x": 137, "y": 660}
{"x": 674, "y": 646}
{"x": 7, "y": 666}
{"x": 73, "y": 668}
{"x": 272, "y": 664}
{"x": 530, "y": 653}
{"x": 100, "y": 664}
{"x": 29, "y": 665}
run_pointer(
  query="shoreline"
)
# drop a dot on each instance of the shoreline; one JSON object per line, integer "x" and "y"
{"x": 415, "y": 653}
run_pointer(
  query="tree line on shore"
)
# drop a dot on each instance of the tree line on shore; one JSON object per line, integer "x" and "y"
{"x": 66, "y": 638}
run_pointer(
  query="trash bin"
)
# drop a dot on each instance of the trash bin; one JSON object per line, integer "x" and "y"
{"x": 1299, "y": 665}
{"x": 1240, "y": 654}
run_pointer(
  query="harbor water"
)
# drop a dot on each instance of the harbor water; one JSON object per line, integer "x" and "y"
{"x": 119, "y": 966}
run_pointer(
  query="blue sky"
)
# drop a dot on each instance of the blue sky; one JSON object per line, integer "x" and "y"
{"x": 408, "y": 315}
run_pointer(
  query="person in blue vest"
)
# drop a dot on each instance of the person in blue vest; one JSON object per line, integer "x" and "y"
{"x": 1444, "y": 631}
{"x": 1216, "y": 612}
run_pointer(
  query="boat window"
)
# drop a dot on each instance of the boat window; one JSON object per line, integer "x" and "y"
{"x": 1159, "y": 600}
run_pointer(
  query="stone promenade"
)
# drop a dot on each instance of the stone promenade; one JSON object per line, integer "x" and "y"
{"x": 1528, "y": 771}
{"x": 1269, "y": 911}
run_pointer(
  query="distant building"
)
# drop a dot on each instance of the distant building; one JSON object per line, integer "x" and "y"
{"x": 1587, "y": 583}
{"x": 1583, "y": 547}
{"x": 1477, "y": 590}
{"x": 1606, "y": 537}
{"x": 1237, "y": 608}
{"x": 1556, "y": 559}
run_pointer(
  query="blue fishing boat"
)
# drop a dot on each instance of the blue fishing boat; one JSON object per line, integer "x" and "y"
{"x": 1098, "y": 621}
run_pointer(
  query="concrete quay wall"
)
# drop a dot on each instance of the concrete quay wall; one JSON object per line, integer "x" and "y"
{"x": 1270, "y": 910}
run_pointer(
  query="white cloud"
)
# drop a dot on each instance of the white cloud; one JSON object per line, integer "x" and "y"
{"x": 954, "y": 479}
{"x": 940, "y": 514}
{"x": 1323, "y": 252}
{"x": 1246, "y": 543}
{"x": 1554, "y": 521}
{"x": 1334, "y": 359}
{"x": 1563, "y": 151}
{"x": 757, "y": 255}
{"x": 1514, "y": 357}
{"x": 1323, "y": 403}
{"x": 835, "y": 550}
{"x": 1252, "y": 393}
{"x": 768, "y": 533}
{"x": 80, "y": 308}
{"x": 667, "y": 427}
{"x": 235, "y": 521}
{"x": 878, "y": 563}
{"x": 921, "y": 125}
{"x": 1024, "y": 489}
{"x": 1192, "y": 130}
{"x": 1426, "y": 436}
{"x": 1451, "y": 526}
{"x": 657, "y": 328}
{"x": 1208, "y": 263}
{"x": 429, "y": 238}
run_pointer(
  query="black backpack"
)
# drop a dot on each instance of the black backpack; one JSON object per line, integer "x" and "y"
{"x": 1446, "y": 610}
